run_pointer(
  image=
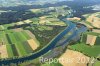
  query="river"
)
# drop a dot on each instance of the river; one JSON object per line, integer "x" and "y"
{"x": 48, "y": 47}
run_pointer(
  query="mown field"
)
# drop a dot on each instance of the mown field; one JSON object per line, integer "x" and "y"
{"x": 97, "y": 63}
{"x": 45, "y": 34}
{"x": 84, "y": 37}
{"x": 16, "y": 40}
{"x": 15, "y": 43}
{"x": 91, "y": 51}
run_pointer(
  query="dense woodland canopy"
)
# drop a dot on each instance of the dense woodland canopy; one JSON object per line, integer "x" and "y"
{"x": 17, "y": 13}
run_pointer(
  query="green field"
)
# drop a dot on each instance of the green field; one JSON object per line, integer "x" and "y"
{"x": 45, "y": 34}
{"x": 16, "y": 43}
{"x": 2, "y": 27}
{"x": 84, "y": 37}
{"x": 91, "y": 51}
{"x": 16, "y": 40}
{"x": 97, "y": 63}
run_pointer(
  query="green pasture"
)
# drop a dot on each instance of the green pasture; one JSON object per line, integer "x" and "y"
{"x": 97, "y": 63}
{"x": 91, "y": 51}
{"x": 18, "y": 39}
{"x": 16, "y": 42}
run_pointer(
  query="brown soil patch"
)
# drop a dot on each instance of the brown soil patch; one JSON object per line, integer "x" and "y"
{"x": 96, "y": 24}
{"x": 91, "y": 39}
{"x": 95, "y": 21}
{"x": 33, "y": 44}
{"x": 3, "y": 51}
{"x": 73, "y": 58}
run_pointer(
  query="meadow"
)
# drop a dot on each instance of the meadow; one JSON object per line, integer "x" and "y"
{"x": 16, "y": 43}
{"x": 91, "y": 51}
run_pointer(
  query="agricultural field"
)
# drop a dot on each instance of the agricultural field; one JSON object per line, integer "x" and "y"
{"x": 87, "y": 37}
{"x": 45, "y": 33}
{"x": 1, "y": 27}
{"x": 93, "y": 19}
{"x": 16, "y": 42}
{"x": 23, "y": 41}
{"x": 30, "y": 35}
{"x": 89, "y": 50}
{"x": 97, "y": 63}
{"x": 72, "y": 58}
